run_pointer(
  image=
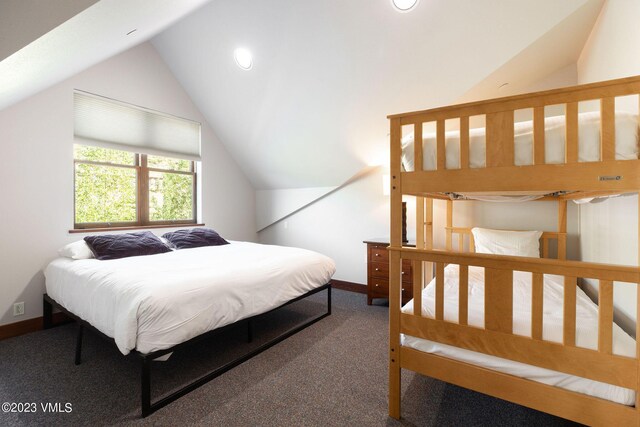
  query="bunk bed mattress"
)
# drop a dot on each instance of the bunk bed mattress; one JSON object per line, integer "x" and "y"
{"x": 588, "y": 136}
{"x": 155, "y": 302}
{"x": 586, "y": 333}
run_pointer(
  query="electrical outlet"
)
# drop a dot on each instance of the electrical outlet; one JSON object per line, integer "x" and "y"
{"x": 18, "y": 309}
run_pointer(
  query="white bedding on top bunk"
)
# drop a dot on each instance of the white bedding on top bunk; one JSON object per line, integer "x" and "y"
{"x": 154, "y": 302}
{"x": 586, "y": 334}
{"x": 588, "y": 142}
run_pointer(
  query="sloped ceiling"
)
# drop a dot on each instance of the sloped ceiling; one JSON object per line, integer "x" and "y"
{"x": 312, "y": 111}
{"x": 557, "y": 49}
{"x": 93, "y": 35}
{"x": 23, "y": 21}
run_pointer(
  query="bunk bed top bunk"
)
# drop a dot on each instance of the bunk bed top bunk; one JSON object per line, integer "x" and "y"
{"x": 517, "y": 159}
{"x": 491, "y": 323}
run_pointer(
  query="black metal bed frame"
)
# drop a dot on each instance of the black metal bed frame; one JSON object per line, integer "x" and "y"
{"x": 145, "y": 380}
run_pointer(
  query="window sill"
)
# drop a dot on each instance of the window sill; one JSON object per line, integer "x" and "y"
{"x": 131, "y": 227}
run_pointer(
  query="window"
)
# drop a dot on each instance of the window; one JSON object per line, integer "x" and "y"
{"x": 116, "y": 188}
{"x": 133, "y": 166}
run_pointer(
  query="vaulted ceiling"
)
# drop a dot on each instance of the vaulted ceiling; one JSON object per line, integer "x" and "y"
{"x": 312, "y": 110}
{"x": 37, "y": 58}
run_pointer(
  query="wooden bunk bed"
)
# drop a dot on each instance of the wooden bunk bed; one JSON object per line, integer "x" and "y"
{"x": 570, "y": 180}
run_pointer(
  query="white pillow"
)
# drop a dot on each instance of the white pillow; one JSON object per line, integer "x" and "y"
{"x": 76, "y": 250}
{"x": 500, "y": 242}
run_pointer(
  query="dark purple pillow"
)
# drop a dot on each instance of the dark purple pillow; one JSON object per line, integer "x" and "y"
{"x": 114, "y": 246}
{"x": 194, "y": 238}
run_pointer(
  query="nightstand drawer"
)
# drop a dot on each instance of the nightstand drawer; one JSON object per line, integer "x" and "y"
{"x": 381, "y": 270}
{"x": 378, "y": 254}
{"x": 379, "y": 286}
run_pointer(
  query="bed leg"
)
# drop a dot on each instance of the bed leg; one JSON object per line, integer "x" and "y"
{"x": 47, "y": 314}
{"x": 394, "y": 390}
{"x": 329, "y": 300}
{"x": 146, "y": 386}
{"x": 79, "y": 343}
{"x": 250, "y": 330}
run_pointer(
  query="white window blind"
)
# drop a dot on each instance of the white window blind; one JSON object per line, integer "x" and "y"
{"x": 107, "y": 123}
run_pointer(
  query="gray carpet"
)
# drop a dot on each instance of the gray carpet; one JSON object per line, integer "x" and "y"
{"x": 333, "y": 373}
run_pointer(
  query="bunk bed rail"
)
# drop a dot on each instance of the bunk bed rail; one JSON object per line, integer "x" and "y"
{"x": 497, "y": 337}
{"x": 500, "y": 175}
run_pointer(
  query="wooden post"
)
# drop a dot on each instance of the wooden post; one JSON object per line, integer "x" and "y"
{"x": 441, "y": 155}
{"x": 571, "y": 133}
{"x": 498, "y": 300}
{"x": 607, "y": 129}
{"x": 562, "y": 229}
{"x": 464, "y": 142}
{"x": 395, "y": 270}
{"x": 417, "y": 266}
{"x": 538, "y": 136}
{"x": 537, "y": 299}
{"x": 428, "y": 241}
{"x": 569, "y": 311}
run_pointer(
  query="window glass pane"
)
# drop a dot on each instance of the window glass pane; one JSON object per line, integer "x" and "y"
{"x": 104, "y": 155}
{"x": 158, "y": 162}
{"x": 105, "y": 194}
{"x": 170, "y": 196}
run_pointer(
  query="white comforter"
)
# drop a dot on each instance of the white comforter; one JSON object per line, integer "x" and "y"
{"x": 154, "y": 302}
{"x": 588, "y": 142}
{"x": 586, "y": 333}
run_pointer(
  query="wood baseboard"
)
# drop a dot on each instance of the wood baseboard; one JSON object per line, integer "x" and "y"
{"x": 349, "y": 286}
{"x": 29, "y": 325}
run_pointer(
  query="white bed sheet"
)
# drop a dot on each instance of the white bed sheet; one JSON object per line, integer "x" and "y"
{"x": 154, "y": 302}
{"x": 586, "y": 333}
{"x": 588, "y": 142}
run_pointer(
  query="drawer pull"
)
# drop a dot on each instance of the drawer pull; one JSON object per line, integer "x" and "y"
{"x": 377, "y": 285}
{"x": 403, "y": 273}
{"x": 377, "y": 269}
{"x": 402, "y": 289}
{"x": 377, "y": 254}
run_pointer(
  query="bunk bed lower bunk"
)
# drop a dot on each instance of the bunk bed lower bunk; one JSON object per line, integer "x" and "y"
{"x": 586, "y": 333}
{"x": 514, "y": 327}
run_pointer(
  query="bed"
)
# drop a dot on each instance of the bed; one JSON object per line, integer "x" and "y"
{"x": 626, "y": 147}
{"x": 151, "y": 305}
{"x": 517, "y": 327}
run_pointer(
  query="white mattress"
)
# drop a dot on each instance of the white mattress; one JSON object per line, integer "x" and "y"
{"x": 586, "y": 334}
{"x": 154, "y": 302}
{"x": 588, "y": 143}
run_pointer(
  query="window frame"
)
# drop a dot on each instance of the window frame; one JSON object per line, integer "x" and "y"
{"x": 142, "y": 196}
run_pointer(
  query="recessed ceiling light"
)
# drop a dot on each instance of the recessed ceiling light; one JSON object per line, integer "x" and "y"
{"x": 404, "y": 5}
{"x": 243, "y": 58}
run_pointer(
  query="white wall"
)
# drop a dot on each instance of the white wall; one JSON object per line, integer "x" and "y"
{"x": 37, "y": 170}
{"x": 337, "y": 224}
{"x": 273, "y": 205}
{"x": 609, "y": 230}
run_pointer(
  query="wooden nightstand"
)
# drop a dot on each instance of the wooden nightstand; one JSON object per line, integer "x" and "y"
{"x": 378, "y": 271}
